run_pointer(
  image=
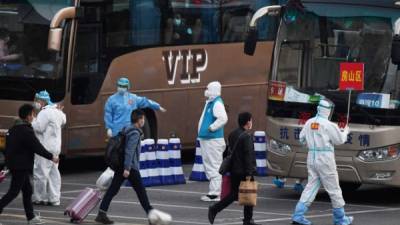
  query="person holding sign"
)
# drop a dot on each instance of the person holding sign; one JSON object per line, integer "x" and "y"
{"x": 320, "y": 135}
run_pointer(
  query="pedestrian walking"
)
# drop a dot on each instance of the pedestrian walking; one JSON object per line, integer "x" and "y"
{"x": 131, "y": 172}
{"x": 242, "y": 165}
{"x": 320, "y": 135}
{"x": 21, "y": 147}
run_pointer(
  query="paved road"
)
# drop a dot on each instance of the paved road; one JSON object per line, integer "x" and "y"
{"x": 370, "y": 205}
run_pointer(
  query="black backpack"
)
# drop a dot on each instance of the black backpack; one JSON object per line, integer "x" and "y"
{"x": 115, "y": 151}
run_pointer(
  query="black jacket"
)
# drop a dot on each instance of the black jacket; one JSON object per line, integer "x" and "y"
{"x": 21, "y": 146}
{"x": 243, "y": 158}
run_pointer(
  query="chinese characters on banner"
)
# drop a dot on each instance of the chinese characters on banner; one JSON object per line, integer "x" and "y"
{"x": 287, "y": 134}
{"x": 351, "y": 76}
{"x": 351, "y": 79}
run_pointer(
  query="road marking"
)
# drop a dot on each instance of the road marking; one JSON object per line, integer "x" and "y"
{"x": 187, "y": 207}
{"x": 111, "y": 216}
{"x": 320, "y": 216}
{"x": 261, "y": 198}
{"x": 45, "y": 219}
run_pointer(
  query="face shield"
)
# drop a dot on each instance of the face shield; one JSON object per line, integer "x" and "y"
{"x": 326, "y": 109}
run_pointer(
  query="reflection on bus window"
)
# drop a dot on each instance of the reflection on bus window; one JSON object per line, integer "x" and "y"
{"x": 330, "y": 41}
{"x": 235, "y": 23}
{"x": 10, "y": 54}
{"x": 25, "y": 63}
{"x": 139, "y": 23}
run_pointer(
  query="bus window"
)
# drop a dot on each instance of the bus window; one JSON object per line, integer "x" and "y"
{"x": 192, "y": 22}
{"x": 145, "y": 17}
{"x": 235, "y": 22}
{"x": 26, "y": 65}
{"x": 236, "y": 16}
{"x": 290, "y": 63}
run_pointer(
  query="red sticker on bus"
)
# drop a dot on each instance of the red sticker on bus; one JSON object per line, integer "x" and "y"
{"x": 277, "y": 90}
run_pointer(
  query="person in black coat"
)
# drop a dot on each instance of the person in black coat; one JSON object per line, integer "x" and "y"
{"x": 21, "y": 146}
{"x": 243, "y": 164}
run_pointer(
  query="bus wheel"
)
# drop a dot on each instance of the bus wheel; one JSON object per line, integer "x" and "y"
{"x": 349, "y": 187}
{"x": 150, "y": 126}
{"x": 147, "y": 130}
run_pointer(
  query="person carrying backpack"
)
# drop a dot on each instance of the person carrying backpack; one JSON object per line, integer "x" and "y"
{"x": 130, "y": 170}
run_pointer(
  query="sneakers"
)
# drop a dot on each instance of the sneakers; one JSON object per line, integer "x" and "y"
{"x": 36, "y": 220}
{"x": 103, "y": 218}
{"x": 210, "y": 198}
{"x": 53, "y": 204}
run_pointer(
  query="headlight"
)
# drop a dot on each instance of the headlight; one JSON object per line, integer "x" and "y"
{"x": 278, "y": 147}
{"x": 380, "y": 154}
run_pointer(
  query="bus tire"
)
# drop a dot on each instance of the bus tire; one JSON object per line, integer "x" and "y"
{"x": 150, "y": 126}
{"x": 349, "y": 186}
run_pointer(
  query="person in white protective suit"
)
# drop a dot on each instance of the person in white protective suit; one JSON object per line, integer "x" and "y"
{"x": 47, "y": 127}
{"x": 320, "y": 135}
{"x": 211, "y": 137}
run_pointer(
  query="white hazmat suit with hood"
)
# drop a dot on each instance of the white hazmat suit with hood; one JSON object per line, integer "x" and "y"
{"x": 211, "y": 136}
{"x": 46, "y": 176}
{"x": 320, "y": 135}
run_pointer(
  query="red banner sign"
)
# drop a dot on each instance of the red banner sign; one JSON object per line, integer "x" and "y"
{"x": 277, "y": 90}
{"x": 351, "y": 76}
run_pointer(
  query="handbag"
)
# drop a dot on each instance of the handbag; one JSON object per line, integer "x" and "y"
{"x": 227, "y": 162}
{"x": 105, "y": 179}
{"x": 248, "y": 192}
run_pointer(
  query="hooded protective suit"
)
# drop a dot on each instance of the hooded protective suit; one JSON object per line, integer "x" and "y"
{"x": 320, "y": 135}
{"x": 211, "y": 135}
{"x": 46, "y": 176}
{"x": 118, "y": 108}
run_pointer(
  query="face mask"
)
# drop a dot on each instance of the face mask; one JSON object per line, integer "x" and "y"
{"x": 37, "y": 105}
{"x": 122, "y": 90}
{"x": 178, "y": 22}
{"x": 206, "y": 94}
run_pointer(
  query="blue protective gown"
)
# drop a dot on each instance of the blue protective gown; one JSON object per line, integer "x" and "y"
{"x": 118, "y": 109}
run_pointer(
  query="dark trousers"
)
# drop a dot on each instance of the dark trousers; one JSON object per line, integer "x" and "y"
{"x": 20, "y": 181}
{"x": 136, "y": 181}
{"x": 233, "y": 196}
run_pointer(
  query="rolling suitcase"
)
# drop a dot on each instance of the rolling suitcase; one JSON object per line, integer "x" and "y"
{"x": 83, "y": 205}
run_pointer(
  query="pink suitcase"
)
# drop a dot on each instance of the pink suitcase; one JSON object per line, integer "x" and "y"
{"x": 83, "y": 205}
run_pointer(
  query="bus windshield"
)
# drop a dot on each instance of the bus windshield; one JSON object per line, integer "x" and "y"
{"x": 26, "y": 65}
{"x": 315, "y": 41}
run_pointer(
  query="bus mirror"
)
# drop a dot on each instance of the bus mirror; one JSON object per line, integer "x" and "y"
{"x": 396, "y": 50}
{"x": 251, "y": 41}
{"x": 55, "y": 37}
{"x": 55, "y": 33}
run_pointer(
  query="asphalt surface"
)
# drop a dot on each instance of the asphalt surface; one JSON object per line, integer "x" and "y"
{"x": 371, "y": 205}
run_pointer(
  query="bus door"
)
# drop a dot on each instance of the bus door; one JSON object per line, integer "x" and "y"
{"x": 86, "y": 129}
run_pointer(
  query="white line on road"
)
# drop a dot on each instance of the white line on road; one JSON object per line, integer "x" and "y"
{"x": 261, "y": 198}
{"x": 188, "y": 207}
{"x": 320, "y": 216}
{"x": 112, "y": 216}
